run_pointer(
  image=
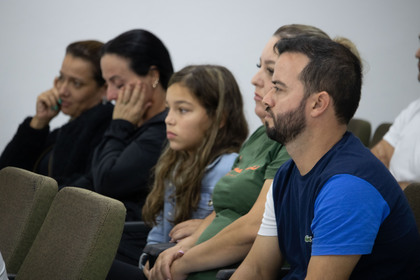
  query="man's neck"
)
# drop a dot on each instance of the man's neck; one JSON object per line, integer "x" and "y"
{"x": 309, "y": 147}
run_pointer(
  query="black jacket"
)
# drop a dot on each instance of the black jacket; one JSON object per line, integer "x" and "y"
{"x": 122, "y": 168}
{"x": 123, "y": 162}
{"x": 65, "y": 153}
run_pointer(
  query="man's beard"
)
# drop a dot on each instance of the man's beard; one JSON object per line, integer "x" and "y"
{"x": 287, "y": 126}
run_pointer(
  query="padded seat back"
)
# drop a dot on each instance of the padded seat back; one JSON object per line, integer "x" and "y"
{"x": 79, "y": 237}
{"x": 361, "y": 129}
{"x": 379, "y": 133}
{"x": 25, "y": 198}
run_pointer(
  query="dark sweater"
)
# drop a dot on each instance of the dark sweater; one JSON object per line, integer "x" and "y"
{"x": 65, "y": 153}
{"x": 122, "y": 168}
{"x": 123, "y": 162}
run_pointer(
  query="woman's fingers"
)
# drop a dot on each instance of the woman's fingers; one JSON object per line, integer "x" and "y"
{"x": 124, "y": 95}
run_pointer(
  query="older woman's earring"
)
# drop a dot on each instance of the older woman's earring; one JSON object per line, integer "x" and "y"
{"x": 155, "y": 83}
{"x": 104, "y": 100}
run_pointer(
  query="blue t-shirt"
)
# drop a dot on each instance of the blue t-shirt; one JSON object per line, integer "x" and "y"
{"x": 348, "y": 204}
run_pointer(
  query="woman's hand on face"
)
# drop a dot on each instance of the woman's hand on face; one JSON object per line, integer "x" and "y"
{"x": 132, "y": 103}
{"x": 47, "y": 107}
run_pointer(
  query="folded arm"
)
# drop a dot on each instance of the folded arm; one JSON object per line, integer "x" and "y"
{"x": 331, "y": 267}
{"x": 229, "y": 246}
{"x": 383, "y": 151}
{"x": 263, "y": 261}
{"x": 162, "y": 267}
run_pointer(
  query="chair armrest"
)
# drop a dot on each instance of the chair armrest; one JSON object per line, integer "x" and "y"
{"x": 135, "y": 226}
{"x": 155, "y": 249}
{"x": 152, "y": 251}
{"x": 225, "y": 273}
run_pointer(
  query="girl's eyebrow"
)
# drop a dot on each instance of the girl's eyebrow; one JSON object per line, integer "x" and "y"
{"x": 179, "y": 102}
{"x": 182, "y": 102}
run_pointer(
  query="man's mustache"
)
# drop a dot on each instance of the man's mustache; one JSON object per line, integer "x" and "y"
{"x": 269, "y": 111}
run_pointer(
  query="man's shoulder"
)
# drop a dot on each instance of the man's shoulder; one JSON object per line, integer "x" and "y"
{"x": 413, "y": 109}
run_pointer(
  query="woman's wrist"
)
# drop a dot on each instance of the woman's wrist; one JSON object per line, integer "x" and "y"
{"x": 36, "y": 123}
{"x": 181, "y": 266}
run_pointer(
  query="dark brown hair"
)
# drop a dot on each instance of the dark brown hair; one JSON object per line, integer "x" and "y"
{"x": 90, "y": 51}
{"x": 217, "y": 91}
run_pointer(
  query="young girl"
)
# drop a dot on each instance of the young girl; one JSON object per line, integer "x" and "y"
{"x": 205, "y": 129}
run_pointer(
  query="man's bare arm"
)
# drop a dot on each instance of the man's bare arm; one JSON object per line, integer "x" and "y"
{"x": 331, "y": 267}
{"x": 383, "y": 151}
{"x": 263, "y": 261}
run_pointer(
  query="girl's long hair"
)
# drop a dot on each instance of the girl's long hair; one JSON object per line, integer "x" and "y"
{"x": 217, "y": 91}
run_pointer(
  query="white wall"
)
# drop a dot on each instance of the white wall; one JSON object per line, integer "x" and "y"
{"x": 34, "y": 35}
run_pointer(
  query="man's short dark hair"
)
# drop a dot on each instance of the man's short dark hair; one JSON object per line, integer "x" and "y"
{"x": 332, "y": 68}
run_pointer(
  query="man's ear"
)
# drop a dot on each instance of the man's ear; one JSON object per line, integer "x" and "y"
{"x": 319, "y": 103}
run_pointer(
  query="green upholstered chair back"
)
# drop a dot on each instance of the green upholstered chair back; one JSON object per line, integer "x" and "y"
{"x": 25, "y": 198}
{"x": 361, "y": 129}
{"x": 379, "y": 133}
{"x": 78, "y": 239}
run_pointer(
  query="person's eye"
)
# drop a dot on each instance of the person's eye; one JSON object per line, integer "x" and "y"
{"x": 270, "y": 71}
{"x": 183, "y": 110}
{"x": 277, "y": 89}
{"x": 77, "y": 83}
{"x": 258, "y": 65}
{"x": 117, "y": 83}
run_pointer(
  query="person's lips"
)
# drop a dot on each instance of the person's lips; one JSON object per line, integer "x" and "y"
{"x": 170, "y": 135}
{"x": 257, "y": 97}
{"x": 65, "y": 104}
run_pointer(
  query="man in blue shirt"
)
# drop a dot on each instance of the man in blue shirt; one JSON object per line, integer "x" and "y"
{"x": 334, "y": 211}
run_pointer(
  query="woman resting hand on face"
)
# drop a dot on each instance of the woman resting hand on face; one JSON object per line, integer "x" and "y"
{"x": 136, "y": 66}
{"x": 66, "y": 152}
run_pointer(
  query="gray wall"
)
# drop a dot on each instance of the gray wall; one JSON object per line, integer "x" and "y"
{"x": 34, "y": 35}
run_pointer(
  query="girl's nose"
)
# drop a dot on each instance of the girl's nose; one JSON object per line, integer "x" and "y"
{"x": 169, "y": 120}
